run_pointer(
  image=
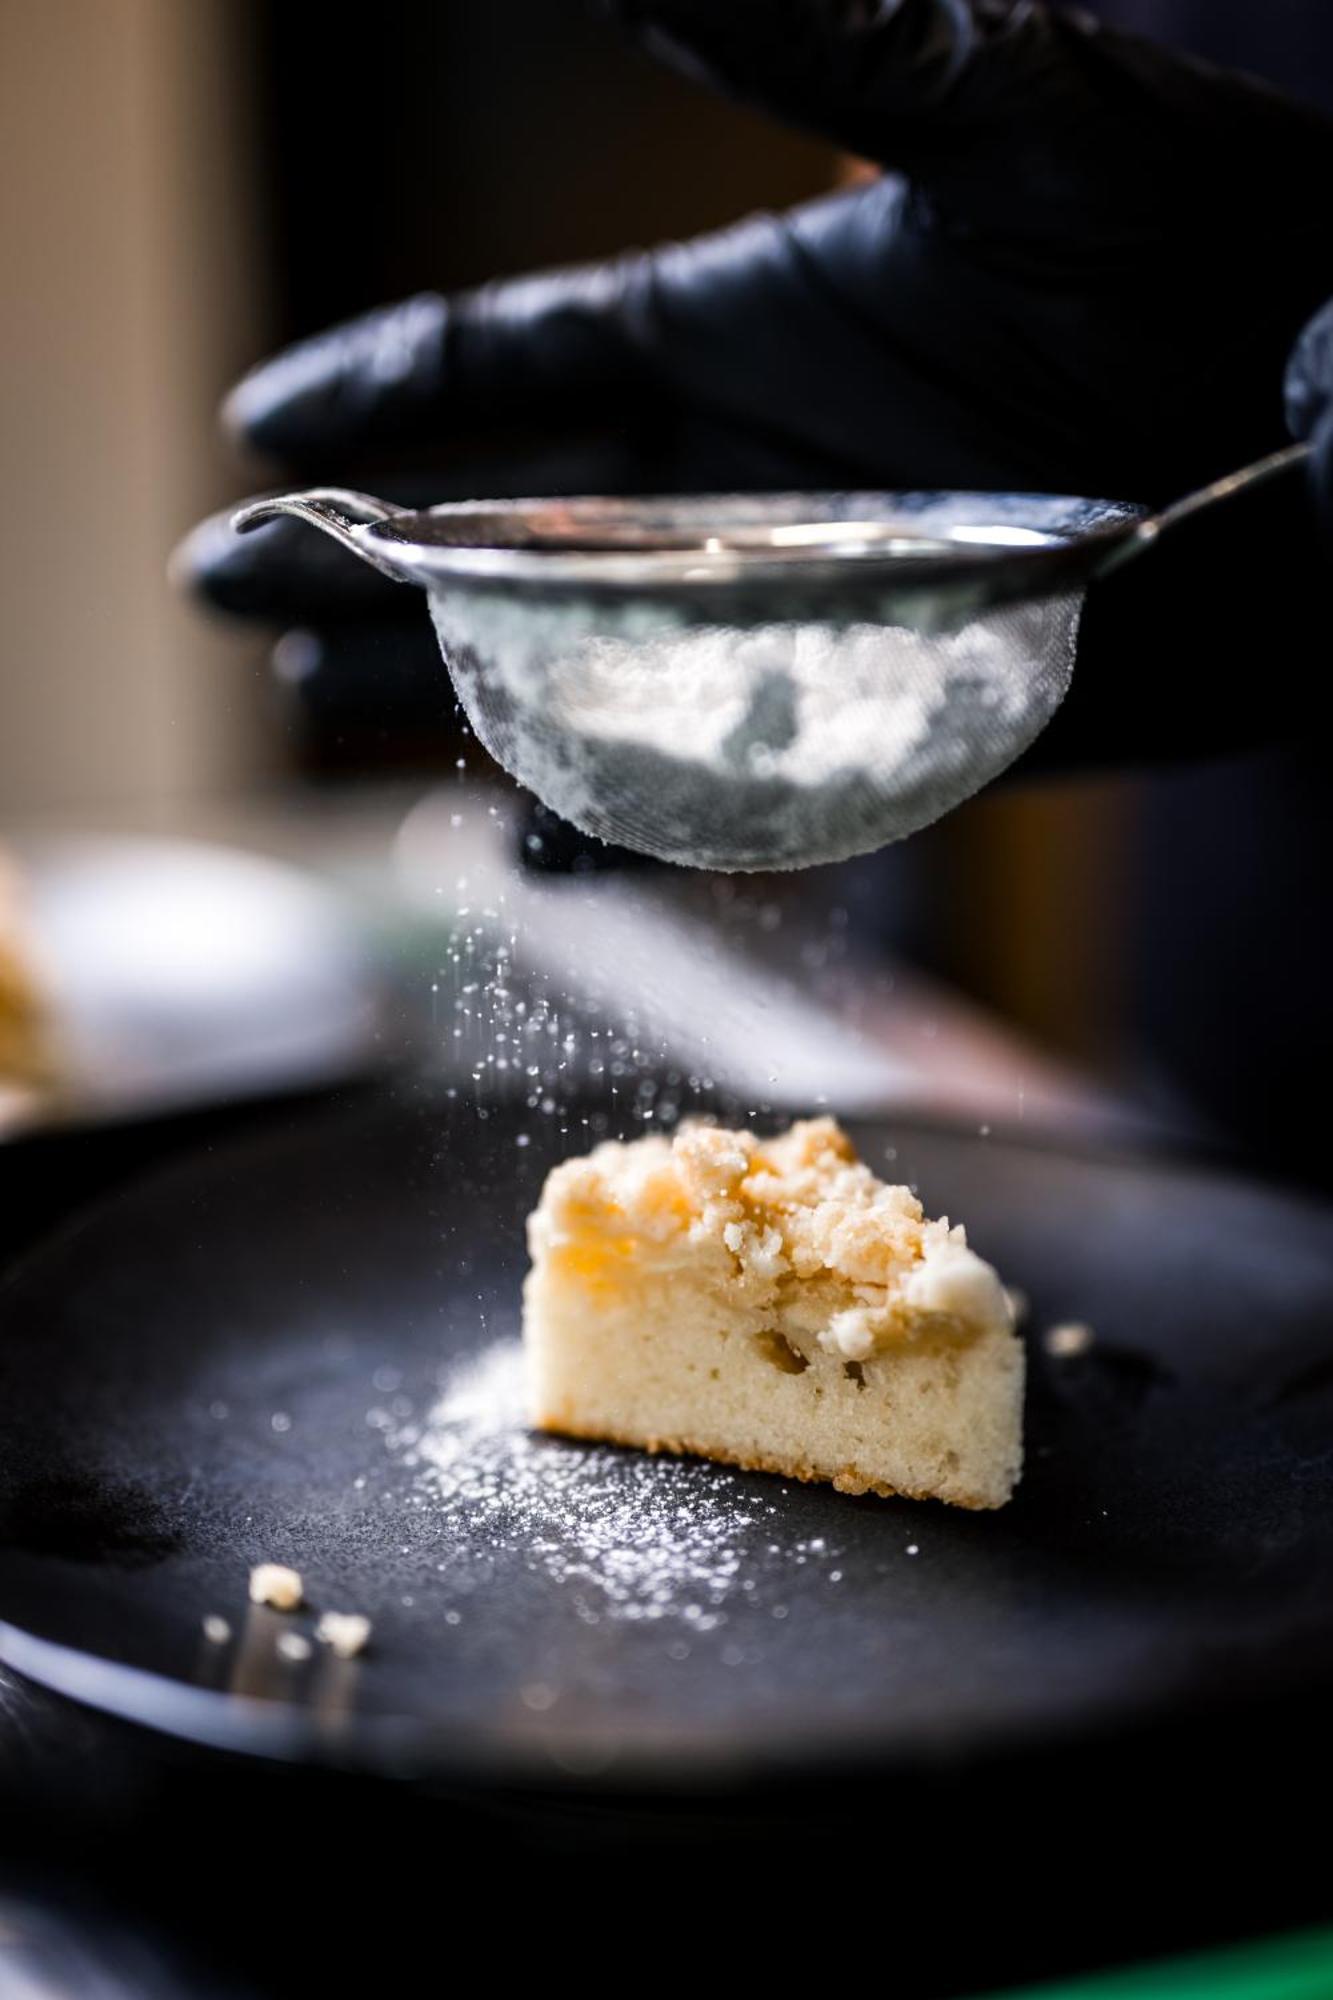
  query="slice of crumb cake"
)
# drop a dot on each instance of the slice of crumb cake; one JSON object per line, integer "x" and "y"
{"x": 774, "y": 1305}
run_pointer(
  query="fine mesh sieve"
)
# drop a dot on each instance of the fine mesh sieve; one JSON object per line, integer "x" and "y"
{"x": 773, "y": 745}
{"x": 754, "y": 682}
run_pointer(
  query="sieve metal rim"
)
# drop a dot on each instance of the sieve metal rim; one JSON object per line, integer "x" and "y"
{"x": 979, "y": 549}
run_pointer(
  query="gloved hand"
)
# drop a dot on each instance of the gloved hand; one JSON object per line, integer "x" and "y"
{"x": 1310, "y": 402}
{"x": 1083, "y": 273}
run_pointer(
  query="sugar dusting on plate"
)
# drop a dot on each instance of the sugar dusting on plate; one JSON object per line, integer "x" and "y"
{"x": 633, "y": 1538}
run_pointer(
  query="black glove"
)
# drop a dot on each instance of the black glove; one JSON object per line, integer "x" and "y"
{"x": 1310, "y": 402}
{"x": 1088, "y": 281}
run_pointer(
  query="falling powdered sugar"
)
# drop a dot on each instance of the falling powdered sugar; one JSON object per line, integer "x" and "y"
{"x": 631, "y": 1538}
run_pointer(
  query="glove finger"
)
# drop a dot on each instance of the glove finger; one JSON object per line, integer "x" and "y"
{"x": 364, "y": 695}
{"x": 375, "y": 379}
{"x": 552, "y": 348}
{"x": 1031, "y": 121}
{"x": 845, "y": 68}
{"x": 1309, "y": 384}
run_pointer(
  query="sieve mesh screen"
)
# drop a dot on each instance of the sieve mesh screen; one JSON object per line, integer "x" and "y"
{"x": 754, "y": 746}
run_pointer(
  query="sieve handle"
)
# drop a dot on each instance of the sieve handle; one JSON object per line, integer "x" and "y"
{"x": 335, "y": 510}
{"x": 1246, "y": 480}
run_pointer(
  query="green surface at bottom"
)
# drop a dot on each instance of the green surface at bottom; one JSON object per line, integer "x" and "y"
{"x": 1288, "y": 1968}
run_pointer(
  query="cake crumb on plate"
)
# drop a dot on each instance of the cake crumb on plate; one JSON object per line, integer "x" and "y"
{"x": 277, "y": 1586}
{"x": 1071, "y": 1337}
{"x": 345, "y": 1633}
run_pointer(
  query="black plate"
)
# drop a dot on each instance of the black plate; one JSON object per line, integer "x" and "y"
{"x": 610, "y": 1614}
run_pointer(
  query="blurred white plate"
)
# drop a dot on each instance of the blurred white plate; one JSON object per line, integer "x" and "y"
{"x": 183, "y": 974}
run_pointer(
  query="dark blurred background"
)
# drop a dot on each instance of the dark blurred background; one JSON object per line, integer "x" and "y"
{"x": 186, "y": 188}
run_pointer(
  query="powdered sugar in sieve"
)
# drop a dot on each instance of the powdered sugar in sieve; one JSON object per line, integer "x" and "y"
{"x": 773, "y": 745}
